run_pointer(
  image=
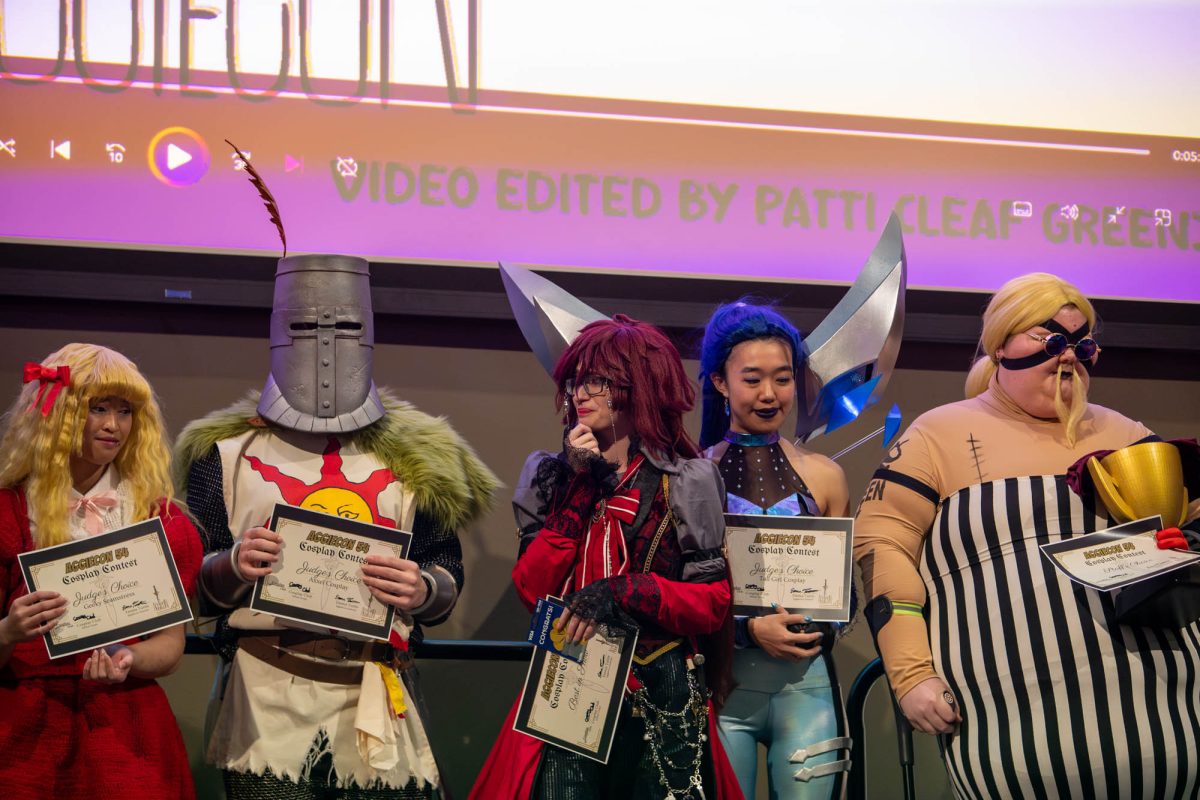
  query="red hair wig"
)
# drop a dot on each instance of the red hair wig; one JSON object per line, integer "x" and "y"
{"x": 645, "y": 376}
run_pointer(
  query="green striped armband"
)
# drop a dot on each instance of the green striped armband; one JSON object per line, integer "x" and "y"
{"x": 879, "y": 612}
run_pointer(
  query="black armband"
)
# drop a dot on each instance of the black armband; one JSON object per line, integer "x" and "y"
{"x": 879, "y": 612}
{"x": 908, "y": 482}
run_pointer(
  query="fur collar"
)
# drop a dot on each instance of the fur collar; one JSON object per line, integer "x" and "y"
{"x": 447, "y": 479}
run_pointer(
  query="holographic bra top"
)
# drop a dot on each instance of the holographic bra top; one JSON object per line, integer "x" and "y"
{"x": 759, "y": 478}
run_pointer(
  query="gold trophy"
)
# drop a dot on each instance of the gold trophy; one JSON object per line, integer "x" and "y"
{"x": 1137, "y": 482}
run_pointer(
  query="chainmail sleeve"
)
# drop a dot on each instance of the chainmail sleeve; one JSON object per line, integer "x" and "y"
{"x": 206, "y": 501}
{"x": 219, "y": 589}
{"x": 437, "y": 551}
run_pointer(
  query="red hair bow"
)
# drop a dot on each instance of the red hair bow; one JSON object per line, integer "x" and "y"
{"x": 53, "y": 380}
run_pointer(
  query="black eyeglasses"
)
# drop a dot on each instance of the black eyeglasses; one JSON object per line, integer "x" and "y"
{"x": 1056, "y": 344}
{"x": 593, "y": 385}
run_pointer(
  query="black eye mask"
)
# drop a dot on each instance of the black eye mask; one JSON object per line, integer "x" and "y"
{"x": 1035, "y": 359}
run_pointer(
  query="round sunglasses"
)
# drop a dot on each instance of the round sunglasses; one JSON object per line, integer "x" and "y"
{"x": 1056, "y": 344}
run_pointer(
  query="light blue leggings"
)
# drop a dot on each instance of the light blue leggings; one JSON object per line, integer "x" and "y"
{"x": 786, "y": 707}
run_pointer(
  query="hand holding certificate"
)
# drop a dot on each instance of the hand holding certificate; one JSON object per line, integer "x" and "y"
{"x": 316, "y": 573}
{"x": 798, "y": 563}
{"x": 117, "y": 585}
{"x": 1117, "y": 557}
{"x": 573, "y": 699}
{"x": 546, "y": 630}
{"x": 30, "y": 615}
{"x": 395, "y": 581}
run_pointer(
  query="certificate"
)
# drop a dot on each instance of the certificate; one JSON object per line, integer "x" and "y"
{"x": 576, "y": 705}
{"x": 1117, "y": 557}
{"x": 119, "y": 585}
{"x": 318, "y": 577}
{"x": 801, "y": 564}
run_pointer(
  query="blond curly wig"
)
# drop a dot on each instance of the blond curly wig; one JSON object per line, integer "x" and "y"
{"x": 36, "y": 449}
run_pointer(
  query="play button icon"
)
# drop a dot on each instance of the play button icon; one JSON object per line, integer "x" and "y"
{"x": 178, "y": 156}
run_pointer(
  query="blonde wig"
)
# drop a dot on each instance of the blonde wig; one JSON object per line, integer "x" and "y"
{"x": 1019, "y": 305}
{"x": 36, "y": 449}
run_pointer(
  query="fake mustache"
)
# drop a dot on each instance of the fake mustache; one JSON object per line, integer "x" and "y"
{"x": 1070, "y": 414}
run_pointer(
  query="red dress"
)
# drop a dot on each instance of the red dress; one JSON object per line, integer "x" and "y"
{"x": 63, "y": 737}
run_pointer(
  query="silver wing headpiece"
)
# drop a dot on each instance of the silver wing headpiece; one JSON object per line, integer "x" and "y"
{"x": 548, "y": 316}
{"x": 852, "y": 353}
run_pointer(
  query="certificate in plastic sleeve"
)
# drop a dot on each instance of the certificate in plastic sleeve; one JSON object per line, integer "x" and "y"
{"x": 1117, "y": 557}
{"x": 318, "y": 577}
{"x": 544, "y": 634}
{"x": 801, "y": 564}
{"x": 576, "y": 705}
{"x": 119, "y": 585}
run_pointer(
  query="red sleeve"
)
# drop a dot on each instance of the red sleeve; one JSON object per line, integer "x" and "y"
{"x": 12, "y": 584}
{"x": 184, "y": 541}
{"x": 544, "y": 566}
{"x": 679, "y": 607}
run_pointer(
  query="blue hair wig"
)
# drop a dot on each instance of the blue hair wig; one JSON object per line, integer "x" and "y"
{"x": 730, "y": 325}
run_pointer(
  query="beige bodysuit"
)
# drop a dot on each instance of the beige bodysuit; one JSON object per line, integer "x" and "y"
{"x": 955, "y": 446}
{"x": 1057, "y": 697}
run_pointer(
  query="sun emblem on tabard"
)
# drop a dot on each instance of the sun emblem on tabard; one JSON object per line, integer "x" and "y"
{"x": 333, "y": 492}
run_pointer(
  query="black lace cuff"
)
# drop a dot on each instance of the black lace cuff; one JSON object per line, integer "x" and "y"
{"x": 616, "y": 602}
{"x": 555, "y": 475}
{"x": 552, "y": 477}
{"x": 598, "y": 603}
{"x": 603, "y": 474}
{"x": 574, "y": 513}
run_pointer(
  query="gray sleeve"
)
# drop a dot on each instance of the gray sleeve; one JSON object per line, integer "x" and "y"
{"x": 697, "y": 501}
{"x": 221, "y": 588}
{"x": 526, "y": 502}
